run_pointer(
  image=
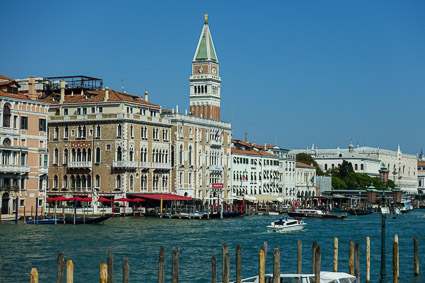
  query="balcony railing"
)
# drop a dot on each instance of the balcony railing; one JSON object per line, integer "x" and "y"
{"x": 145, "y": 164}
{"x": 125, "y": 164}
{"x": 161, "y": 165}
{"x": 14, "y": 169}
{"x": 80, "y": 164}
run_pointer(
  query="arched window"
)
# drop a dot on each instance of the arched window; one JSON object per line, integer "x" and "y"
{"x": 65, "y": 156}
{"x": 131, "y": 154}
{"x": 84, "y": 155}
{"x": 6, "y": 116}
{"x": 206, "y": 89}
{"x": 97, "y": 154}
{"x": 72, "y": 182}
{"x": 119, "y": 131}
{"x": 65, "y": 182}
{"x": 118, "y": 182}
{"x": 55, "y": 182}
{"x": 98, "y": 131}
{"x": 56, "y": 157}
{"x": 119, "y": 154}
{"x": 78, "y": 155}
{"x": 361, "y": 167}
{"x": 97, "y": 181}
{"x": 190, "y": 155}
{"x": 131, "y": 183}
{"x": 356, "y": 167}
{"x": 78, "y": 180}
{"x": 66, "y": 133}
{"x": 181, "y": 155}
{"x": 89, "y": 154}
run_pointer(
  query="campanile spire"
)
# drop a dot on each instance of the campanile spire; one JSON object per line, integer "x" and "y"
{"x": 205, "y": 81}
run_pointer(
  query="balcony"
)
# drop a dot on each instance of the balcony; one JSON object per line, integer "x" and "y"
{"x": 215, "y": 142}
{"x": 80, "y": 165}
{"x": 125, "y": 164}
{"x": 14, "y": 169}
{"x": 216, "y": 168}
{"x": 145, "y": 164}
{"x": 166, "y": 166}
{"x": 43, "y": 170}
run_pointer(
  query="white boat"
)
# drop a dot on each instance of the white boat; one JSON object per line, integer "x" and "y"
{"x": 325, "y": 277}
{"x": 286, "y": 225}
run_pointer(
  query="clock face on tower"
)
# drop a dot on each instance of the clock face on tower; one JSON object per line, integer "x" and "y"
{"x": 214, "y": 71}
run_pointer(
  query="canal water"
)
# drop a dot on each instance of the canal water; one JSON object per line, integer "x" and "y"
{"x": 23, "y": 247}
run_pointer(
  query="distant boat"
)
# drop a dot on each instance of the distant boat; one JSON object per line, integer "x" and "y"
{"x": 286, "y": 225}
{"x": 359, "y": 211}
{"x": 87, "y": 220}
{"x": 10, "y": 218}
{"x": 325, "y": 277}
{"x": 316, "y": 214}
{"x": 44, "y": 221}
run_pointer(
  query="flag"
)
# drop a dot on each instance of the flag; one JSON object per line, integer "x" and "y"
{"x": 312, "y": 181}
{"x": 218, "y": 133}
{"x": 243, "y": 174}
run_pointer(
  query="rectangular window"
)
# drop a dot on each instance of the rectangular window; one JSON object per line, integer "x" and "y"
{"x": 22, "y": 202}
{"x": 78, "y": 111}
{"x": 93, "y": 110}
{"x": 42, "y": 125}
{"x": 24, "y": 123}
{"x": 23, "y": 158}
{"x": 15, "y": 121}
{"x": 65, "y": 112}
{"x": 46, "y": 157}
{"x": 100, "y": 109}
{"x": 84, "y": 111}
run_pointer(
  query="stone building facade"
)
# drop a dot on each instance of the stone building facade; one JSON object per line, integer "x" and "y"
{"x": 23, "y": 150}
{"x": 107, "y": 143}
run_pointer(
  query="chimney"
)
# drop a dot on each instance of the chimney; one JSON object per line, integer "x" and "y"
{"x": 177, "y": 109}
{"x": 62, "y": 86}
{"x": 106, "y": 94}
{"x": 146, "y": 96}
{"x": 31, "y": 87}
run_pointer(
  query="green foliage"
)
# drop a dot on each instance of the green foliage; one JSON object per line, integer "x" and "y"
{"x": 307, "y": 159}
{"x": 338, "y": 184}
{"x": 345, "y": 178}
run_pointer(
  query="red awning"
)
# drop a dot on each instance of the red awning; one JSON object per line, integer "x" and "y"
{"x": 102, "y": 199}
{"x": 164, "y": 197}
{"x": 137, "y": 199}
{"x": 84, "y": 199}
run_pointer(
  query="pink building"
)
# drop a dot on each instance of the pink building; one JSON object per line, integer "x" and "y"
{"x": 23, "y": 150}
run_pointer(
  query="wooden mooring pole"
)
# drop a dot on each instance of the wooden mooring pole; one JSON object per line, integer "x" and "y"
{"x": 34, "y": 275}
{"x": 61, "y": 264}
{"x": 161, "y": 266}
{"x": 125, "y": 271}
{"x": 351, "y": 258}
{"x": 226, "y": 271}
{"x": 276, "y": 265}
{"x": 110, "y": 267}
{"x": 395, "y": 260}
{"x": 261, "y": 266}
{"x": 317, "y": 264}
{"x": 0, "y": 267}
{"x": 224, "y": 251}
{"x": 214, "y": 268}
{"x": 313, "y": 258}
{"x": 416, "y": 255}
{"x": 299, "y": 257}
{"x": 357, "y": 262}
{"x": 175, "y": 266}
{"x": 335, "y": 269}
{"x": 367, "y": 260}
{"x": 69, "y": 272}
{"x": 103, "y": 276}
{"x": 238, "y": 264}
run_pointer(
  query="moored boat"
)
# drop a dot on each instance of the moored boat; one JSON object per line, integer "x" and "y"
{"x": 359, "y": 211}
{"x": 286, "y": 225}
{"x": 325, "y": 277}
{"x": 316, "y": 214}
{"x": 86, "y": 220}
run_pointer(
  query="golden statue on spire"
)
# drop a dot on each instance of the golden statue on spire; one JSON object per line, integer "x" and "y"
{"x": 206, "y": 18}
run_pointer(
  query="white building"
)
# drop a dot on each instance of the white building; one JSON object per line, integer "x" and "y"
{"x": 367, "y": 160}
{"x": 286, "y": 182}
{"x": 254, "y": 171}
{"x": 421, "y": 173}
{"x": 305, "y": 177}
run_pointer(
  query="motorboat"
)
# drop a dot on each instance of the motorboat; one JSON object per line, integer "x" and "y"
{"x": 325, "y": 277}
{"x": 316, "y": 214}
{"x": 44, "y": 221}
{"x": 286, "y": 225}
{"x": 406, "y": 206}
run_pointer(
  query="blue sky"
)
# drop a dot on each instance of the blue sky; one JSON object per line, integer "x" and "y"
{"x": 294, "y": 72}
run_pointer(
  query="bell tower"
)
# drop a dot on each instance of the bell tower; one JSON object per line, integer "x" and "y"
{"x": 205, "y": 80}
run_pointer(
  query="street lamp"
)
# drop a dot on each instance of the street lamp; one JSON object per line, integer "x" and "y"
{"x": 383, "y": 176}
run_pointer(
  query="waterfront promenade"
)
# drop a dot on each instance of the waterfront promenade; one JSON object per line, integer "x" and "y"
{"x": 139, "y": 239}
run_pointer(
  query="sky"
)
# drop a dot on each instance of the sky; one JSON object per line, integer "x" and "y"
{"x": 294, "y": 73}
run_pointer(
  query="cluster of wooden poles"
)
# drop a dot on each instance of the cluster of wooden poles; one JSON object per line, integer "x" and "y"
{"x": 106, "y": 269}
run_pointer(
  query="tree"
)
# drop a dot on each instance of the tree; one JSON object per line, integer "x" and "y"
{"x": 346, "y": 169}
{"x": 338, "y": 184}
{"x": 308, "y": 159}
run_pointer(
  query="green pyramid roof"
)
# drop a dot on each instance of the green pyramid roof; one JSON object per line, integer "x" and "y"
{"x": 205, "y": 49}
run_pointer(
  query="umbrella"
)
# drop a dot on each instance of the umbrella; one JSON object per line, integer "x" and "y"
{"x": 104, "y": 199}
{"x": 59, "y": 198}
